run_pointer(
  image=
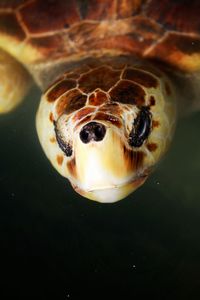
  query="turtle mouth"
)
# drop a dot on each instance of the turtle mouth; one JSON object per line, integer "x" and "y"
{"x": 136, "y": 180}
{"x": 112, "y": 193}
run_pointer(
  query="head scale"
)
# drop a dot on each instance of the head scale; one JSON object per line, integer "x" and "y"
{"x": 105, "y": 126}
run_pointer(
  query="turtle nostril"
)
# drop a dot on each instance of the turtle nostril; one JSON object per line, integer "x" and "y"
{"x": 99, "y": 131}
{"x": 84, "y": 135}
{"x": 92, "y": 131}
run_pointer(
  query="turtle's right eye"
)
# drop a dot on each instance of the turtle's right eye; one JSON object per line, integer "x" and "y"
{"x": 141, "y": 128}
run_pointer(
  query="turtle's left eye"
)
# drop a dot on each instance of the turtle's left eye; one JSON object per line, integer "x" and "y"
{"x": 141, "y": 128}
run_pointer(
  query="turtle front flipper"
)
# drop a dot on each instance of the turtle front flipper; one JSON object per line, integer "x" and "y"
{"x": 14, "y": 82}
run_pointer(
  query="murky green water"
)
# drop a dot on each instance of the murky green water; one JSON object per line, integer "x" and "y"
{"x": 53, "y": 242}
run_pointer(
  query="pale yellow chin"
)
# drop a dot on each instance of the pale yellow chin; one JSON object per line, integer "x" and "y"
{"x": 113, "y": 193}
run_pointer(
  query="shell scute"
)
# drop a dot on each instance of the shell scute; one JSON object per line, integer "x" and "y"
{"x": 128, "y": 92}
{"x": 168, "y": 31}
{"x": 9, "y": 25}
{"x": 51, "y": 15}
{"x": 48, "y": 45}
{"x": 140, "y": 77}
{"x": 182, "y": 52}
{"x": 128, "y": 8}
{"x": 60, "y": 88}
{"x": 97, "y": 98}
{"x": 70, "y": 102}
{"x": 108, "y": 9}
{"x": 174, "y": 15}
{"x": 101, "y": 78}
{"x": 11, "y": 4}
{"x": 98, "y": 10}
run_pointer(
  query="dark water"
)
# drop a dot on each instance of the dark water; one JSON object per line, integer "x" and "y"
{"x": 56, "y": 244}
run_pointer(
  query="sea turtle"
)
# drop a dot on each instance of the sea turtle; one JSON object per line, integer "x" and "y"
{"x": 112, "y": 74}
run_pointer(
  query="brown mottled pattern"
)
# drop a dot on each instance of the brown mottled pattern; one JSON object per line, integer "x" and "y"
{"x": 110, "y": 118}
{"x": 59, "y": 159}
{"x": 71, "y": 102}
{"x": 48, "y": 46}
{"x": 102, "y": 78}
{"x": 147, "y": 28}
{"x": 152, "y": 147}
{"x": 94, "y": 63}
{"x": 50, "y": 15}
{"x": 83, "y": 112}
{"x": 76, "y": 103}
{"x": 140, "y": 77}
{"x": 143, "y": 32}
{"x": 181, "y": 45}
{"x": 133, "y": 159}
{"x": 128, "y": 8}
{"x": 155, "y": 123}
{"x": 71, "y": 165}
{"x": 150, "y": 69}
{"x": 127, "y": 43}
{"x": 82, "y": 34}
{"x": 59, "y": 28}
{"x": 59, "y": 79}
{"x": 128, "y": 92}
{"x": 108, "y": 9}
{"x": 75, "y": 73}
{"x": 152, "y": 101}
{"x": 176, "y": 15}
{"x": 52, "y": 140}
{"x": 111, "y": 108}
{"x": 187, "y": 45}
{"x": 98, "y": 9}
{"x": 117, "y": 64}
{"x": 10, "y": 26}
{"x": 4, "y": 4}
{"x": 59, "y": 89}
{"x": 138, "y": 158}
{"x": 98, "y": 98}
{"x": 51, "y": 117}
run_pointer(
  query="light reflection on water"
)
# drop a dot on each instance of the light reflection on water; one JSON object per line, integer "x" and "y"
{"x": 146, "y": 244}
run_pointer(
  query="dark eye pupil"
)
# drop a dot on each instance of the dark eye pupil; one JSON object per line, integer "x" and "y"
{"x": 141, "y": 128}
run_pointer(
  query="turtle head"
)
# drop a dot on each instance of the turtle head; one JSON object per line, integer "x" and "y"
{"x": 107, "y": 140}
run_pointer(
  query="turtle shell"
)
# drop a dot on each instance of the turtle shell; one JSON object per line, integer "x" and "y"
{"x": 36, "y": 31}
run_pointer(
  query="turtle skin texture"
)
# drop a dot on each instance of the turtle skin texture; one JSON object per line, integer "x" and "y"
{"x": 111, "y": 72}
{"x": 166, "y": 31}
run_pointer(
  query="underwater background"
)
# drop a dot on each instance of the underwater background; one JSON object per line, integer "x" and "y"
{"x": 54, "y": 243}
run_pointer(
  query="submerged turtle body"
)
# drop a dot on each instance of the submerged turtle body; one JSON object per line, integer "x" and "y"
{"x": 35, "y": 31}
{"x": 112, "y": 73}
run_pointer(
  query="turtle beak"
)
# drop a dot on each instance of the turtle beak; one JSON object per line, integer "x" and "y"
{"x": 105, "y": 170}
{"x": 113, "y": 193}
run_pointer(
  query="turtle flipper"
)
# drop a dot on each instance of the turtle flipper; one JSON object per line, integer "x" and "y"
{"x": 14, "y": 82}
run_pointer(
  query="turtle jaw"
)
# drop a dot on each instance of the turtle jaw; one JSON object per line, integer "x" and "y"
{"x": 112, "y": 194}
{"x": 107, "y": 170}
